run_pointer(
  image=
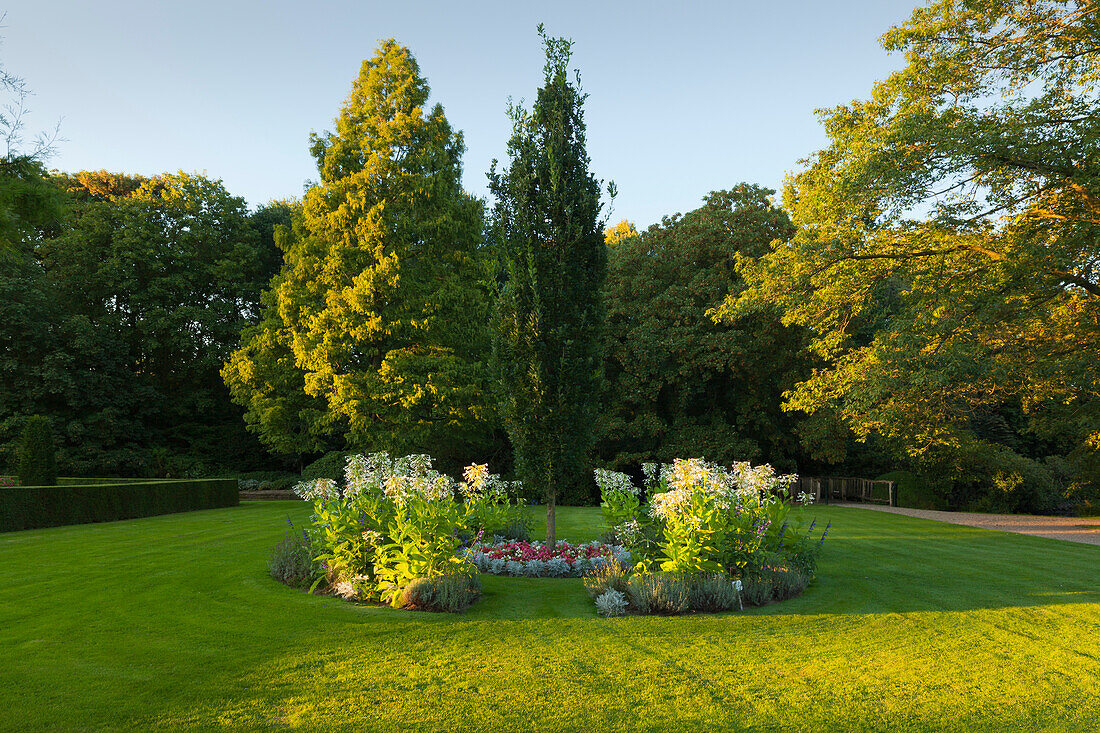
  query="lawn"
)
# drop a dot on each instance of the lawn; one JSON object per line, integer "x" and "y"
{"x": 172, "y": 622}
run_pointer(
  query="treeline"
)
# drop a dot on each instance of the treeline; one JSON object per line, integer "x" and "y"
{"x": 117, "y": 313}
{"x": 924, "y": 302}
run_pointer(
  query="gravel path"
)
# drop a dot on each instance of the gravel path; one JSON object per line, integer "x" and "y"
{"x": 1071, "y": 529}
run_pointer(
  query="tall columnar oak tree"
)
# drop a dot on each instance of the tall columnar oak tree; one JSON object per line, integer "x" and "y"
{"x": 965, "y": 196}
{"x": 383, "y": 301}
{"x": 550, "y": 315}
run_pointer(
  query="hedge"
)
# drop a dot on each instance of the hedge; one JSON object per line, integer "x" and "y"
{"x": 31, "y": 507}
{"x": 83, "y": 481}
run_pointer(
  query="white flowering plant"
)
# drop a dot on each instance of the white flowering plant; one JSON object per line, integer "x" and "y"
{"x": 489, "y": 501}
{"x": 395, "y": 520}
{"x": 618, "y": 497}
{"x": 709, "y": 518}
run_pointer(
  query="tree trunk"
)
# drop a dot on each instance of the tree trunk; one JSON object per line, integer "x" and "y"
{"x": 551, "y": 528}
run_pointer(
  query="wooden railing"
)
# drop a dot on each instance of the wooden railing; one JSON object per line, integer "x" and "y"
{"x": 846, "y": 488}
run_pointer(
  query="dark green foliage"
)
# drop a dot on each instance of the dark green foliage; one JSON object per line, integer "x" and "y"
{"x": 997, "y": 479}
{"x": 116, "y": 325}
{"x": 680, "y": 384}
{"x": 550, "y": 314}
{"x": 451, "y": 593}
{"x": 986, "y": 476}
{"x": 37, "y": 453}
{"x": 31, "y": 507}
{"x": 711, "y": 593}
{"x": 267, "y": 481}
{"x": 29, "y": 205}
{"x": 291, "y": 562}
{"x": 330, "y": 465}
{"x": 272, "y": 223}
{"x": 915, "y": 491}
{"x": 666, "y": 594}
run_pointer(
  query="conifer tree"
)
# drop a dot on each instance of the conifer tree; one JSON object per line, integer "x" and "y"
{"x": 548, "y": 340}
{"x": 383, "y": 299}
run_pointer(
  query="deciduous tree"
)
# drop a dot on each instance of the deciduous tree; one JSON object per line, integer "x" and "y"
{"x": 947, "y": 259}
{"x": 678, "y": 383}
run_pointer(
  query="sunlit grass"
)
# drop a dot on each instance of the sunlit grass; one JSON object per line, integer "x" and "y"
{"x": 172, "y": 622}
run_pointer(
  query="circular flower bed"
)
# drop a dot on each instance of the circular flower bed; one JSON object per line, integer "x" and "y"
{"x": 540, "y": 560}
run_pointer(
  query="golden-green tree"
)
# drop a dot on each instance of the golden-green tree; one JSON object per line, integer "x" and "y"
{"x": 947, "y": 260}
{"x": 550, "y": 314}
{"x": 379, "y": 315}
{"x": 621, "y": 232}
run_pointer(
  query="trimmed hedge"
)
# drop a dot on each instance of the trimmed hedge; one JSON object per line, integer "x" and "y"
{"x": 79, "y": 481}
{"x": 31, "y": 507}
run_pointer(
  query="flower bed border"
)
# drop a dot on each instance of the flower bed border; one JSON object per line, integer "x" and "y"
{"x": 537, "y": 567}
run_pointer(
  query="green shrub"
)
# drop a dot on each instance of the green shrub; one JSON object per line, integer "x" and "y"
{"x": 37, "y": 455}
{"x": 1077, "y": 478}
{"x": 517, "y": 527}
{"x": 787, "y": 583}
{"x": 665, "y": 594}
{"x": 711, "y": 592}
{"x": 330, "y": 465}
{"x": 606, "y": 576}
{"x": 291, "y": 562}
{"x": 915, "y": 491}
{"x": 268, "y": 480}
{"x": 757, "y": 590}
{"x": 450, "y": 593}
{"x": 30, "y": 507}
{"x": 1000, "y": 480}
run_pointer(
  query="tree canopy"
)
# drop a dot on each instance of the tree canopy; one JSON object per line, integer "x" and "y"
{"x": 118, "y": 324}
{"x": 946, "y": 261}
{"x": 678, "y": 383}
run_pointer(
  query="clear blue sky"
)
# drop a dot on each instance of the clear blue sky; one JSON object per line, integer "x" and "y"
{"x": 685, "y": 97}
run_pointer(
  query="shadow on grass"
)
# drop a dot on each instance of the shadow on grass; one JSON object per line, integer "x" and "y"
{"x": 907, "y": 565}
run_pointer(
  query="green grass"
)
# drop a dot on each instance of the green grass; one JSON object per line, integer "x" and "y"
{"x": 172, "y": 622}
